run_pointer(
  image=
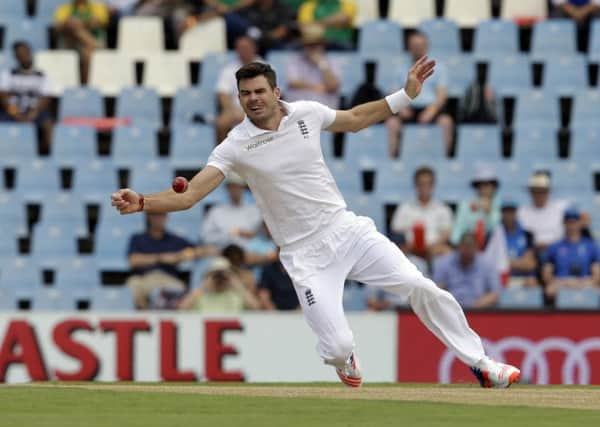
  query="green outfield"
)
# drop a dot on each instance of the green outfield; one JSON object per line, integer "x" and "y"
{"x": 218, "y": 405}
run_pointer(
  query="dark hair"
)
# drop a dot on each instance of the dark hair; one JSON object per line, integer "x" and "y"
{"x": 20, "y": 43}
{"x": 254, "y": 69}
{"x": 234, "y": 253}
{"x": 423, "y": 170}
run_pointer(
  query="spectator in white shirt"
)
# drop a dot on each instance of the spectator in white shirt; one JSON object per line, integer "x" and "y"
{"x": 425, "y": 213}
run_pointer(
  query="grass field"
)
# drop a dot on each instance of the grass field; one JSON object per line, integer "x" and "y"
{"x": 218, "y": 405}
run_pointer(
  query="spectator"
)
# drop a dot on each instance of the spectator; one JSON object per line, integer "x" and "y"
{"x": 154, "y": 256}
{"x": 276, "y": 290}
{"x": 425, "y": 222}
{"x": 222, "y": 291}
{"x": 468, "y": 275}
{"x": 582, "y": 12}
{"x": 479, "y": 102}
{"x": 193, "y": 13}
{"x": 482, "y": 214}
{"x": 572, "y": 262}
{"x": 237, "y": 258}
{"x": 234, "y": 13}
{"x": 311, "y": 74}
{"x": 429, "y": 106}
{"x": 234, "y": 222}
{"x": 81, "y": 25}
{"x": 544, "y": 217}
{"x": 335, "y": 16}
{"x": 519, "y": 247}
{"x": 271, "y": 23}
{"x": 227, "y": 92}
{"x": 25, "y": 94}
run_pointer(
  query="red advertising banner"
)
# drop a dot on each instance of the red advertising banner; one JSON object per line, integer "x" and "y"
{"x": 549, "y": 348}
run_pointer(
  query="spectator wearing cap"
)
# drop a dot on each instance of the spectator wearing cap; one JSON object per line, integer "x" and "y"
{"x": 235, "y": 221}
{"x": 311, "y": 75}
{"x": 468, "y": 275}
{"x": 573, "y": 261}
{"x": 543, "y": 217}
{"x": 482, "y": 214}
{"x": 221, "y": 291}
{"x": 425, "y": 215}
{"x": 519, "y": 247}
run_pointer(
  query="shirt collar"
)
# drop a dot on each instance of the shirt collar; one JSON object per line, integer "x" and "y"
{"x": 253, "y": 131}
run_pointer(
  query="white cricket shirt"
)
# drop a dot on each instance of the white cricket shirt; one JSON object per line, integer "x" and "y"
{"x": 285, "y": 171}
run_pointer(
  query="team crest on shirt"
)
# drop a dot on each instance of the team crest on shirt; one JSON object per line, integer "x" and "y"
{"x": 303, "y": 128}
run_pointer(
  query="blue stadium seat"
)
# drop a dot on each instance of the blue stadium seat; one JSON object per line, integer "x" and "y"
{"x": 537, "y": 107}
{"x": 44, "y": 9}
{"x": 521, "y": 298}
{"x": 94, "y": 180}
{"x": 20, "y": 275}
{"x": 443, "y": 36}
{"x": 355, "y": 297}
{"x": 12, "y": 11}
{"x": 12, "y": 213}
{"x": 394, "y": 181}
{"x": 565, "y": 75}
{"x": 77, "y": 276}
{"x": 73, "y": 145}
{"x": 496, "y": 37}
{"x": 141, "y": 105}
{"x": 111, "y": 244}
{"x": 210, "y": 69}
{"x": 279, "y": 60}
{"x": 81, "y": 102}
{"x": 594, "y": 42}
{"x": 151, "y": 177}
{"x": 64, "y": 209}
{"x": 37, "y": 179}
{"x": 552, "y": 38}
{"x": 453, "y": 181}
{"x": 584, "y": 146}
{"x": 132, "y": 146}
{"x": 187, "y": 223}
{"x": 367, "y": 148}
{"x": 8, "y": 299}
{"x": 369, "y": 206}
{"x": 191, "y": 145}
{"x": 112, "y": 299}
{"x": 510, "y": 74}
{"x": 327, "y": 146}
{"x": 191, "y": 102}
{"x": 30, "y": 30}
{"x": 8, "y": 242}
{"x": 535, "y": 143}
{"x": 380, "y": 37}
{"x": 352, "y": 69}
{"x": 52, "y": 299}
{"x": 577, "y": 299}
{"x": 422, "y": 144}
{"x": 391, "y": 72}
{"x": 460, "y": 71}
{"x": 569, "y": 180}
{"x": 347, "y": 178}
{"x": 52, "y": 243}
{"x": 479, "y": 142}
{"x": 19, "y": 143}
{"x": 586, "y": 109}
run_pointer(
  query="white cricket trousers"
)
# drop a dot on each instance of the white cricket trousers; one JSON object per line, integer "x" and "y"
{"x": 354, "y": 249}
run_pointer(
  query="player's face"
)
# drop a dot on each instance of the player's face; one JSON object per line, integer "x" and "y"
{"x": 258, "y": 99}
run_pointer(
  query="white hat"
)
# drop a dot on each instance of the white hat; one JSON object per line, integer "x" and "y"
{"x": 484, "y": 174}
{"x": 539, "y": 180}
{"x": 234, "y": 178}
{"x": 218, "y": 264}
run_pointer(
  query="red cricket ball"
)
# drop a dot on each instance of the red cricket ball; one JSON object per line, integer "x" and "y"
{"x": 180, "y": 184}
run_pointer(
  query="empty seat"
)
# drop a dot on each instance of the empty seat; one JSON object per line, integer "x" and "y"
{"x": 380, "y": 37}
{"x": 496, "y": 38}
{"x": 64, "y": 209}
{"x": 8, "y": 242}
{"x": 367, "y": 148}
{"x": 347, "y": 178}
{"x": 140, "y": 36}
{"x": 369, "y": 206}
{"x": 192, "y": 103}
{"x": 355, "y": 297}
{"x": 584, "y": 146}
{"x": 141, "y": 105}
{"x": 111, "y": 71}
{"x": 61, "y": 67}
{"x": 460, "y": 70}
{"x": 510, "y": 75}
{"x": 81, "y": 102}
{"x": 577, "y": 299}
{"x": 39, "y": 179}
{"x": 8, "y": 300}
{"x": 13, "y": 11}
{"x": 391, "y": 72}
{"x": 73, "y": 145}
{"x": 422, "y": 144}
{"x": 524, "y": 11}
{"x": 586, "y": 109}
{"x": 134, "y": 145}
{"x": 78, "y": 275}
{"x": 29, "y": 30}
{"x": 191, "y": 145}
{"x": 467, "y": 13}
{"x": 210, "y": 70}
{"x": 111, "y": 244}
{"x": 327, "y": 146}
{"x": 54, "y": 242}
{"x": 410, "y": 13}
{"x": 521, "y": 298}
{"x": 166, "y": 73}
{"x": 12, "y": 213}
{"x": 44, "y": 9}
{"x": 442, "y": 35}
{"x": 18, "y": 143}
{"x": 94, "y": 180}
{"x": 352, "y": 70}
{"x": 479, "y": 142}
{"x": 21, "y": 275}
{"x": 594, "y": 42}
{"x": 279, "y": 60}
{"x": 553, "y": 37}
{"x": 112, "y": 299}
{"x": 569, "y": 180}
{"x": 535, "y": 143}
{"x": 151, "y": 177}
{"x": 204, "y": 38}
{"x": 565, "y": 75}
{"x": 452, "y": 181}
{"x": 537, "y": 107}
{"x": 395, "y": 181}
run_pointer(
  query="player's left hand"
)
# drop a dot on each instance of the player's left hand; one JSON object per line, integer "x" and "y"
{"x": 418, "y": 73}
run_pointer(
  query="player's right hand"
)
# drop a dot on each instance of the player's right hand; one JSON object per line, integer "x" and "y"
{"x": 126, "y": 201}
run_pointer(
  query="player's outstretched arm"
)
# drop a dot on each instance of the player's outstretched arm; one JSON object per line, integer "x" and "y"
{"x": 128, "y": 201}
{"x": 365, "y": 115}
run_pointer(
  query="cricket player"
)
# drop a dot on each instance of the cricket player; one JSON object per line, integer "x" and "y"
{"x": 277, "y": 150}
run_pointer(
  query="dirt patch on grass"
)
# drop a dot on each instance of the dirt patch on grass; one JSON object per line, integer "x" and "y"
{"x": 532, "y": 396}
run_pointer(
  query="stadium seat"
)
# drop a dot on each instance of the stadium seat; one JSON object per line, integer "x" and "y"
{"x": 565, "y": 75}
{"x": 524, "y": 11}
{"x": 347, "y": 178}
{"x": 569, "y": 180}
{"x": 29, "y": 30}
{"x": 355, "y": 297}
{"x": 467, "y": 13}
{"x": 460, "y": 70}
{"x": 190, "y": 102}
{"x": 496, "y": 38}
{"x": 8, "y": 300}
{"x": 453, "y": 181}
{"x": 594, "y": 41}
{"x": 410, "y": 13}
{"x": 151, "y": 177}
{"x": 521, "y": 298}
{"x": 205, "y": 38}
{"x": 327, "y": 146}
{"x": 140, "y": 36}
{"x": 391, "y": 72}
{"x": 422, "y": 144}
{"x": 368, "y": 10}
{"x": 191, "y": 145}
{"x": 44, "y": 9}
{"x": 141, "y": 105}
{"x": 537, "y": 107}
{"x": 81, "y": 102}
{"x": 132, "y": 146}
{"x": 553, "y": 37}
{"x": 577, "y": 299}
{"x": 187, "y": 223}
{"x": 279, "y": 60}
{"x": 111, "y": 243}
{"x": 535, "y": 142}
{"x": 95, "y": 179}
{"x": 111, "y": 71}
{"x": 586, "y": 109}
{"x": 166, "y": 73}
{"x": 112, "y": 299}
{"x": 367, "y": 205}
{"x": 64, "y": 208}
{"x": 367, "y": 148}
{"x": 12, "y": 11}
{"x": 12, "y": 213}
{"x": 35, "y": 182}
{"x": 352, "y": 68}
{"x": 77, "y": 276}
{"x": 210, "y": 70}
{"x": 584, "y": 146}
{"x": 380, "y": 37}
{"x": 73, "y": 145}
{"x": 19, "y": 143}
{"x": 52, "y": 299}
{"x": 394, "y": 182}
{"x": 510, "y": 75}
{"x": 20, "y": 275}
{"x": 61, "y": 67}
{"x": 442, "y": 35}
{"x": 8, "y": 242}
{"x": 54, "y": 242}
{"x": 478, "y": 142}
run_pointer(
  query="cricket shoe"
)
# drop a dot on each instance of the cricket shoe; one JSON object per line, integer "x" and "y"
{"x": 492, "y": 374}
{"x": 350, "y": 373}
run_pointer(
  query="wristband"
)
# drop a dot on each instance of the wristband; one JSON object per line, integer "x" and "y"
{"x": 398, "y": 100}
{"x": 141, "y": 203}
